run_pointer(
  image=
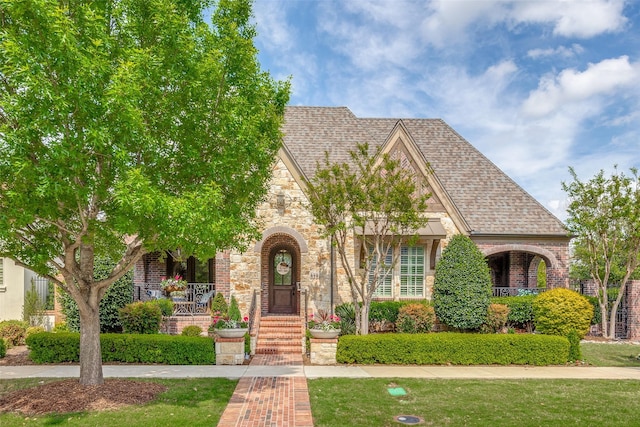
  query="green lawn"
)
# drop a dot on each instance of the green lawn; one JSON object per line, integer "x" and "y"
{"x": 367, "y": 402}
{"x": 600, "y": 354}
{"x": 191, "y": 402}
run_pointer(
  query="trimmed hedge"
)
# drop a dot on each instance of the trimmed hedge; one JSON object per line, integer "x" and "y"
{"x": 453, "y": 348}
{"x": 129, "y": 348}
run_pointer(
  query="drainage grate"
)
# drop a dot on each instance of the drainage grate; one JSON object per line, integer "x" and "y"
{"x": 408, "y": 419}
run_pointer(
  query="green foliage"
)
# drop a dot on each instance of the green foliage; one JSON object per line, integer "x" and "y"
{"x": 520, "y": 310}
{"x": 234, "y": 310}
{"x": 119, "y": 294}
{"x": 141, "y": 318}
{"x": 3, "y": 349}
{"x": 597, "y": 314}
{"x": 13, "y": 332}
{"x": 191, "y": 331}
{"x": 128, "y": 348}
{"x": 462, "y": 287}
{"x": 415, "y": 318}
{"x": 604, "y": 217}
{"x": 347, "y": 315}
{"x": 574, "y": 345}
{"x": 166, "y": 306}
{"x": 453, "y": 348}
{"x": 219, "y": 305}
{"x": 560, "y": 311}
{"x": 33, "y": 330}
{"x": 371, "y": 191}
{"x": 33, "y": 305}
{"x": 497, "y": 316}
{"x": 542, "y": 274}
{"x": 61, "y": 327}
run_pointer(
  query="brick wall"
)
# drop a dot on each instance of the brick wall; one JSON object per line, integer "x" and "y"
{"x": 175, "y": 324}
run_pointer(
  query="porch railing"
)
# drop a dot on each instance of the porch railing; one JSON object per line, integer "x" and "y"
{"x": 515, "y": 292}
{"x": 197, "y": 297}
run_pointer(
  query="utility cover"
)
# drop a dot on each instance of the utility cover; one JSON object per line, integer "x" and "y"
{"x": 397, "y": 391}
{"x": 409, "y": 419}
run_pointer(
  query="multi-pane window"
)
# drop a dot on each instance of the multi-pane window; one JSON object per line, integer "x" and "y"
{"x": 386, "y": 274}
{"x": 412, "y": 271}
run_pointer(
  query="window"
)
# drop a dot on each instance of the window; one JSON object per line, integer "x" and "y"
{"x": 384, "y": 287}
{"x": 192, "y": 270}
{"x": 412, "y": 271}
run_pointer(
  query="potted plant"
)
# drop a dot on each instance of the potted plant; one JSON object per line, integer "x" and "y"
{"x": 173, "y": 284}
{"x": 324, "y": 325}
{"x": 225, "y": 327}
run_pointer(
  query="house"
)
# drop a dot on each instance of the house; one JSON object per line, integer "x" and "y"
{"x": 15, "y": 282}
{"x": 289, "y": 270}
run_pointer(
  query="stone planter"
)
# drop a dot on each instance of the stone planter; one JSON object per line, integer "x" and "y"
{"x": 319, "y": 333}
{"x": 231, "y": 333}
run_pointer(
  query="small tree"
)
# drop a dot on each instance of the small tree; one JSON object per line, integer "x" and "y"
{"x": 604, "y": 217}
{"x": 462, "y": 287}
{"x": 372, "y": 205}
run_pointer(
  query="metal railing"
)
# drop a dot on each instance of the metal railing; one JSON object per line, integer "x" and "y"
{"x": 195, "y": 300}
{"x": 515, "y": 292}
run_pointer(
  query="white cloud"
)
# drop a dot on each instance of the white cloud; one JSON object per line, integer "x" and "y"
{"x": 571, "y": 86}
{"x": 572, "y": 18}
{"x": 562, "y": 51}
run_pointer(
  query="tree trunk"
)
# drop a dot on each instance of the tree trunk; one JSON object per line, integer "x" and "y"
{"x": 90, "y": 351}
{"x": 364, "y": 319}
{"x": 604, "y": 321}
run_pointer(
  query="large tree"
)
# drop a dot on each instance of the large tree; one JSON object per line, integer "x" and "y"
{"x": 369, "y": 206}
{"x": 604, "y": 217}
{"x": 128, "y": 126}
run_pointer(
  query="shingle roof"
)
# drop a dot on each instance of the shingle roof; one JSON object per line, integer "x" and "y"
{"x": 489, "y": 201}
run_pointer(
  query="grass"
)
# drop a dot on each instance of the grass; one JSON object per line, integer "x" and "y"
{"x": 193, "y": 402}
{"x": 367, "y": 402}
{"x": 601, "y": 354}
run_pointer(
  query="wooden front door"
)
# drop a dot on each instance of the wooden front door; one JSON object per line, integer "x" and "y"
{"x": 283, "y": 292}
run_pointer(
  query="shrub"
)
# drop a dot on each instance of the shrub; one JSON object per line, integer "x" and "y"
{"x": 462, "y": 287}
{"x": 117, "y": 296}
{"x": 415, "y": 318}
{"x": 3, "y": 349}
{"x": 234, "y": 310}
{"x": 560, "y": 310}
{"x": 453, "y": 348}
{"x": 347, "y": 314}
{"x": 13, "y": 332}
{"x": 61, "y": 327}
{"x": 496, "y": 318}
{"x": 166, "y": 306}
{"x": 33, "y": 330}
{"x": 192, "y": 331}
{"x": 520, "y": 310}
{"x": 48, "y": 347}
{"x": 574, "y": 346}
{"x": 219, "y": 305}
{"x": 141, "y": 318}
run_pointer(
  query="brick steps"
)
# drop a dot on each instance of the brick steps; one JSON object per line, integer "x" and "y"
{"x": 280, "y": 335}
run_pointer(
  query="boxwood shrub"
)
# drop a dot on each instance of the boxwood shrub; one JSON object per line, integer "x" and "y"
{"x": 453, "y": 348}
{"x": 520, "y": 310}
{"x": 129, "y": 348}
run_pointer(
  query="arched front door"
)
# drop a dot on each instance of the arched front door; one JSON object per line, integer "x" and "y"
{"x": 283, "y": 292}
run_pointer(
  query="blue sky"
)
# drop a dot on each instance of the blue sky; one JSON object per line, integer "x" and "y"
{"x": 536, "y": 86}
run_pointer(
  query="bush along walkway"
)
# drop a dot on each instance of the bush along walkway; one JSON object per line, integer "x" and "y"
{"x": 270, "y": 401}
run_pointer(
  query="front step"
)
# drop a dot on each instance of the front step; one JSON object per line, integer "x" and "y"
{"x": 280, "y": 335}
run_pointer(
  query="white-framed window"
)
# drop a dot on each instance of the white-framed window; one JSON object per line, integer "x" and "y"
{"x": 385, "y": 287}
{"x": 412, "y": 271}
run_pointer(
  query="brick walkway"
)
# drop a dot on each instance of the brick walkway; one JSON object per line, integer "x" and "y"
{"x": 270, "y": 401}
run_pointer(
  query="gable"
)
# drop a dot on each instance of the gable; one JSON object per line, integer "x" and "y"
{"x": 479, "y": 197}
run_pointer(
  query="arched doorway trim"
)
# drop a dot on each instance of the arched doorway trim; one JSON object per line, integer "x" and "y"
{"x": 280, "y": 293}
{"x": 545, "y": 254}
{"x": 302, "y": 244}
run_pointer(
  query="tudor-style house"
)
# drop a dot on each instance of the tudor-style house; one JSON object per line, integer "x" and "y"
{"x": 291, "y": 271}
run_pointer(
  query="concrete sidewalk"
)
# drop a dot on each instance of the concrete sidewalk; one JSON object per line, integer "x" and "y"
{"x": 378, "y": 371}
